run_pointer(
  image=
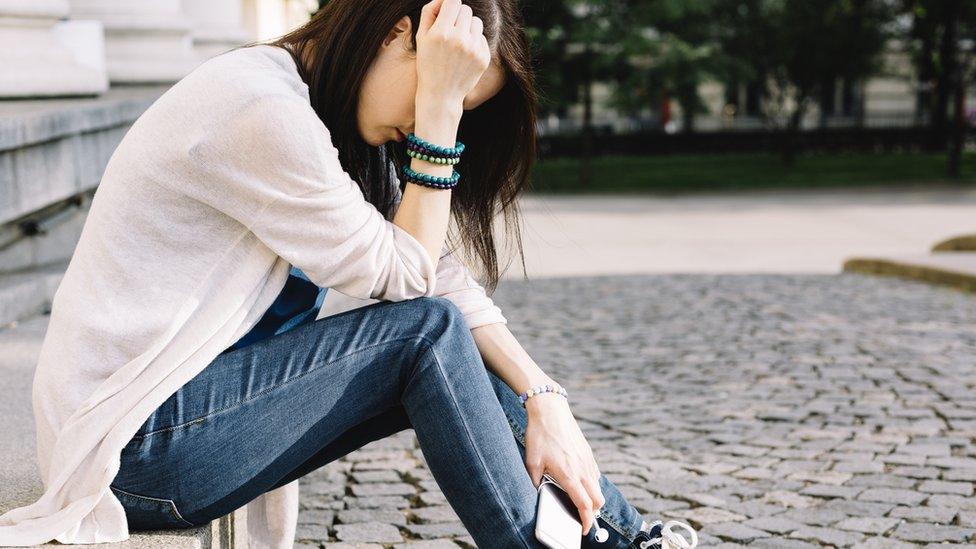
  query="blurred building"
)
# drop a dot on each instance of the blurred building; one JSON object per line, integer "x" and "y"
{"x": 887, "y": 100}
{"x": 892, "y": 99}
{"x": 74, "y": 75}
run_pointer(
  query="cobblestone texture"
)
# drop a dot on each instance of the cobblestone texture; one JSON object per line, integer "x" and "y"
{"x": 766, "y": 410}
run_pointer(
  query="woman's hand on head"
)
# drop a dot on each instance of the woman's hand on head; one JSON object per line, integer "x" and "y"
{"x": 452, "y": 53}
{"x": 554, "y": 444}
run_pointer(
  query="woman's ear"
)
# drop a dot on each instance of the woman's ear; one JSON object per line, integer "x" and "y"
{"x": 400, "y": 30}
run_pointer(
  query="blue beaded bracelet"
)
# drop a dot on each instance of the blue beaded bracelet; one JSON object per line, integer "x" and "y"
{"x": 437, "y": 149}
{"x": 430, "y": 180}
{"x": 423, "y": 155}
{"x": 539, "y": 389}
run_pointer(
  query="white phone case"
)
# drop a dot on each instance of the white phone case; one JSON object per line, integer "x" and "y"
{"x": 557, "y": 522}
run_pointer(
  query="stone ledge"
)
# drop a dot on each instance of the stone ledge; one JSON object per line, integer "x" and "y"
{"x": 219, "y": 534}
{"x": 28, "y": 293}
{"x": 53, "y": 149}
{"x": 956, "y": 269}
{"x": 25, "y": 122}
{"x": 19, "y": 349}
{"x": 47, "y": 236}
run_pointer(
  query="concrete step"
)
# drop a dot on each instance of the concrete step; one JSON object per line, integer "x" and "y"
{"x": 53, "y": 149}
{"x": 20, "y": 347}
{"x": 28, "y": 292}
{"x": 45, "y": 237}
{"x": 956, "y": 269}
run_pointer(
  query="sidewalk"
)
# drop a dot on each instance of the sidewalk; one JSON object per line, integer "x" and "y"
{"x": 761, "y": 232}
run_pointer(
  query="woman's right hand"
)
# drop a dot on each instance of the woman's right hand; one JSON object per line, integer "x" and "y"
{"x": 452, "y": 53}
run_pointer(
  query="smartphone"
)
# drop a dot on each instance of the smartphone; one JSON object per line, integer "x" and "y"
{"x": 557, "y": 523}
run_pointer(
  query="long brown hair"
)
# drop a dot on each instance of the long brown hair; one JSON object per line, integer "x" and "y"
{"x": 339, "y": 43}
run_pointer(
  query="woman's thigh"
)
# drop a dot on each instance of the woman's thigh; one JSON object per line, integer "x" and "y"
{"x": 617, "y": 516}
{"x": 257, "y": 414}
{"x": 394, "y": 420}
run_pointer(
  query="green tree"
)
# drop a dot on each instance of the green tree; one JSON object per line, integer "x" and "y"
{"x": 940, "y": 40}
{"x": 667, "y": 51}
{"x": 574, "y": 46}
{"x": 799, "y": 48}
{"x": 550, "y": 27}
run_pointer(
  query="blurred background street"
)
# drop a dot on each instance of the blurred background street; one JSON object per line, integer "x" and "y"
{"x": 796, "y": 231}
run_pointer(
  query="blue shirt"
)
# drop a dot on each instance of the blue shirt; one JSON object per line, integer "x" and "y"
{"x": 298, "y": 302}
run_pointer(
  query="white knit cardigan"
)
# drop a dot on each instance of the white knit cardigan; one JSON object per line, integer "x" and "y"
{"x": 227, "y": 180}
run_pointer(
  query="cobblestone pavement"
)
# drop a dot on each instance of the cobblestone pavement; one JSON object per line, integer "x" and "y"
{"x": 766, "y": 410}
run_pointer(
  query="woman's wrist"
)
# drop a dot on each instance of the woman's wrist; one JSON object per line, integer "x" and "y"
{"x": 438, "y": 122}
{"x": 541, "y": 393}
{"x": 437, "y": 105}
{"x": 438, "y": 126}
{"x": 546, "y": 403}
{"x": 531, "y": 376}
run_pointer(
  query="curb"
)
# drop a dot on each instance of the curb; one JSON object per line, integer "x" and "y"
{"x": 931, "y": 268}
{"x": 964, "y": 243}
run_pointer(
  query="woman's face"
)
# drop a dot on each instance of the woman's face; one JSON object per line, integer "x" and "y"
{"x": 387, "y": 98}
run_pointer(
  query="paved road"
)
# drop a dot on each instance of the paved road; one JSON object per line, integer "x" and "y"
{"x": 748, "y": 232}
{"x": 767, "y": 410}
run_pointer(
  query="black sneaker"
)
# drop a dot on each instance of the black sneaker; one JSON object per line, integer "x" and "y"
{"x": 661, "y": 536}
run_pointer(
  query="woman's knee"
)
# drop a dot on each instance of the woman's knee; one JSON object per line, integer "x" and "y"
{"x": 443, "y": 327}
{"x": 440, "y": 315}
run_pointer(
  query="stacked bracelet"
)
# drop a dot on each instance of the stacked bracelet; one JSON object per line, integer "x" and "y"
{"x": 430, "y": 180}
{"x": 417, "y": 151}
{"x": 435, "y": 154}
{"x": 425, "y": 150}
{"x": 539, "y": 389}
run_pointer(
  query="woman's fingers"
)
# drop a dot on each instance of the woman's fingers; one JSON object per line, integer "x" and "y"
{"x": 535, "y": 467}
{"x": 581, "y": 498}
{"x": 595, "y": 477}
{"x": 428, "y": 14}
{"x": 464, "y": 16}
{"x": 593, "y": 490}
{"x": 448, "y": 14}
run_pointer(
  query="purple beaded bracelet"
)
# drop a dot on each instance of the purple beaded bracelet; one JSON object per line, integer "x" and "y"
{"x": 539, "y": 389}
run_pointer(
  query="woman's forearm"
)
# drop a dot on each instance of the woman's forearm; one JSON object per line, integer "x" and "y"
{"x": 506, "y": 357}
{"x": 424, "y": 212}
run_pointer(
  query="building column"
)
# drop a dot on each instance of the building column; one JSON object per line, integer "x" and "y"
{"x": 218, "y": 26}
{"x": 33, "y": 61}
{"x": 146, "y": 41}
{"x": 267, "y": 19}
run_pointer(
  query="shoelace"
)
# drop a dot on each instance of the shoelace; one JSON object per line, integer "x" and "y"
{"x": 673, "y": 540}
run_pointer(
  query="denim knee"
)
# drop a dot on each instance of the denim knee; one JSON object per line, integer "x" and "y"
{"x": 444, "y": 328}
{"x": 442, "y": 315}
{"x": 437, "y": 303}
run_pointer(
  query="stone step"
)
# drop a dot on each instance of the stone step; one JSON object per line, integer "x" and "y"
{"x": 957, "y": 269}
{"x": 20, "y": 347}
{"x": 48, "y": 236}
{"x": 55, "y": 149}
{"x": 28, "y": 292}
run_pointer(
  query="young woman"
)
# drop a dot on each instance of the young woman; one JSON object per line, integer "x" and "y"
{"x": 184, "y": 374}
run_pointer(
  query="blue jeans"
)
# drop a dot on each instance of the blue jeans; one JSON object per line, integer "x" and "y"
{"x": 266, "y": 414}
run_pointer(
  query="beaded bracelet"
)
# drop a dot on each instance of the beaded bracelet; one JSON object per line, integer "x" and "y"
{"x": 539, "y": 389}
{"x": 435, "y": 149}
{"x": 424, "y": 150}
{"x": 430, "y": 180}
{"x": 424, "y": 154}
